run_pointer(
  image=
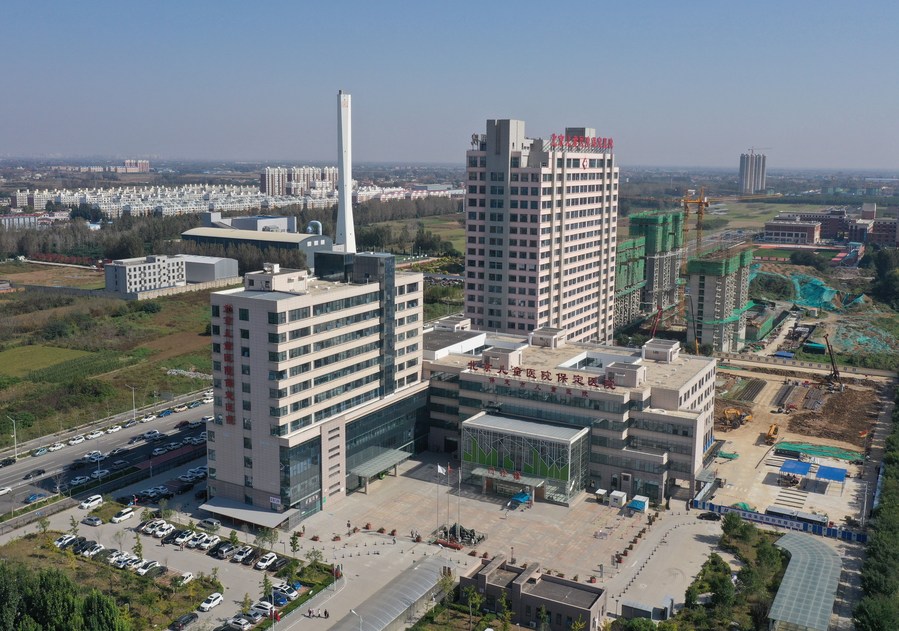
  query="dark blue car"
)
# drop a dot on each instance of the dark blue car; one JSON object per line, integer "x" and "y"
{"x": 34, "y": 497}
{"x": 165, "y": 413}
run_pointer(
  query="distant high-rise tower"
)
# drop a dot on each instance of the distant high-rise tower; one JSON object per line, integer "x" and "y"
{"x": 752, "y": 173}
{"x": 273, "y": 181}
{"x": 346, "y": 234}
{"x": 540, "y": 229}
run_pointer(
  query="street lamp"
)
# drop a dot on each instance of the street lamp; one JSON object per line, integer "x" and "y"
{"x": 133, "y": 404}
{"x": 15, "y": 446}
{"x": 353, "y": 611}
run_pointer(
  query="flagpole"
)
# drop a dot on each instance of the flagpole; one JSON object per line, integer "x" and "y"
{"x": 459, "y": 507}
{"x": 449, "y": 487}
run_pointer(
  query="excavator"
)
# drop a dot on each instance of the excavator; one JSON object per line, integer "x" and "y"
{"x": 735, "y": 418}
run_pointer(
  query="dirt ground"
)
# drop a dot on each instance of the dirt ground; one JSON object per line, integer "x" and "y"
{"x": 177, "y": 344}
{"x": 54, "y": 275}
{"x": 845, "y": 417}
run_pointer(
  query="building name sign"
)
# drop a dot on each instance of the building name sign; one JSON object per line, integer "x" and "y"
{"x": 565, "y": 379}
{"x": 561, "y": 141}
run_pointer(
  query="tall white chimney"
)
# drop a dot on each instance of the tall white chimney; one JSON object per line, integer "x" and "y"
{"x": 346, "y": 232}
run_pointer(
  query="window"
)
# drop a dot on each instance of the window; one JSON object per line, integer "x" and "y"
{"x": 276, "y": 318}
{"x": 210, "y": 454}
{"x": 247, "y": 443}
{"x": 248, "y": 482}
{"x": 246, "y": 406}
{"x": 247, "y": 423}
{"x": 244, "y": 334}
{"x": 244, "y": 369}
{"x": 244, "y": 351}
{"x": 248, "y": 462}
{"x": 216, "y": 329}
{"x": 245, "y": 388}
{"x": 216, "y": 312}
{"x": 243, "y": 315}
{"x": 210, "y": 435}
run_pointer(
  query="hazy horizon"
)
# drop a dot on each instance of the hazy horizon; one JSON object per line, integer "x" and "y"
{"x": 675, "y": 85}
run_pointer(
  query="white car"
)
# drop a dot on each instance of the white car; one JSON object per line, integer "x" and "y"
{"x": 99, "y": 474}
{"x": 207, "y": 419}
{"x": 79, "y": 480}
{"x": 94, "y": 550}
{"x": 266, "y": 560}
{"x": 212, "y": 601}
{"x": 209, "y": 542}
{"x": 122, "y": 515}
{"x": 94, "y": 434}
{"x": 63, "y": 540}
{"x": 55, "y": 447}
{"x": 151, "y": 526}
{"x": 263, "y": 607}
{"x": 91, "y": 502}
{"x": 187, "y": 477}
{"x": 159, "y": 451}
{"x": 206, "y": 400}
{"x": 185, "y": 578}
{"x": 182, "y": 538}
{"x": 179, "y": 408}
{"x": 76, "y": 440}
{"x": 147, "y": 418}
{"x": 5, "y": 489}
{"x": 112, "y": 429}
{"x": 164, "y": 531}
{"x": 146, "y": 566}
{"x": 196, "y": 540}
{"x": 123, "y": 560}
{"x": 289, "y": 592}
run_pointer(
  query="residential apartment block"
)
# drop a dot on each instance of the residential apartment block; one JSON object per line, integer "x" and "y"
{"x": 718, "y": 297}
{"x": 541, "y": 219}
{"x": 317, "y": 385}
{"x": 149, "y": 273}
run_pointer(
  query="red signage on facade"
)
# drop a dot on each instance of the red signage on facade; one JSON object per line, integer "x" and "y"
{"x": 561, "y": 141}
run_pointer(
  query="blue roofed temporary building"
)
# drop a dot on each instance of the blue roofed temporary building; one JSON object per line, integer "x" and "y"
{"x": 831, "y": 474}
{"x": 795, "y": 467}
{"x": 639, "y": 503}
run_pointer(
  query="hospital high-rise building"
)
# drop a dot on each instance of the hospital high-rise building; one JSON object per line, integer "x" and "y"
{"x": 540, "y": 231}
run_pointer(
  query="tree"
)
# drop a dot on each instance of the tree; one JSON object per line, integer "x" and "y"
{"x": 246, "y": 603}
{"x": 543, "y": 617}
{"x": 138, "y": 547}
{"x": 100, "y": 612}
{"x": 164, "y": 510}
{"x": 73, "y": 526}
{"x": 731, "y": 524}
{"x": 233, "y": 539}
{"x": 119, "y": 537}
{"x": 445, "y": 585}
{"x": 191, "y": 526}
{"x": 505, "y": 613}
{"x": 294, "y": 542}
{"x": 877, "y": 612}
{"x": 43, "y": 525}
{"x": 266, "y": 586}
{"x": 266, "y": 538}
{"x": 474, "y": 599}
{"x": 640, "y": 624}
{"x": 579, "y": 624}
{"x": 314, "y": 556}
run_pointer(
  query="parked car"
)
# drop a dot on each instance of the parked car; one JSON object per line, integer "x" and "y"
{"x": 146, "y": 418}
{"x": 94, "y": 434}
{"x": 180, "y": 408}
{"x": 184, "y": 536}
{"x": 91, "y": 502}
{"x": 170, "y": 538}
{"x": 62, "y": 540}
{"x": 35, "y": 497}
{"x": 184, "y": 621}
{"x": 196, "y": 540}
{"x": 73, "y": 542}
{"x": 213, "y": 600}
{"x": 116, "y": 451}
{"x": 210, "y": 541}
{"x": 710, "y": 516}
{"x": 99, "y": 474}
{"x": 182, "y": 424}
{"x": 225, "y": 551}
{"x": 174, "y": 445}
{"x": 93, "y": 550}
{"x": 251, "y": 558}
{"x": 263, "y": 607}
{"x": 146, "y": 567}
{"x": 76, "y": 440}
{"x": 208, "y": 418}
{"x": 266, "y": 560}
{"x": 206, "y": 400}
{"x": 92, "y": 520}
{"x": 166, "y": 412}
{"x": 241, "y": 553}
{"x": 209, "y": 524}
{"x": 122, "y": 515}
{"x": 85, "y": 544}
{"x": 185, "y": 578}
{"x": 164, "y": 531}
{"x": 287, "y": 590}
{"x": 277, "y": 565}
{"x": 277, "y": 599}
{"x": 150, "y": 527}
{"x": 55, "y": 447}
{"x": 112, "y": 429}
{"x": 239, "y": 623}
{"x": 35, "y": 473}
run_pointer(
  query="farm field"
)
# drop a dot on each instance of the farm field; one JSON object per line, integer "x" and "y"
{"x": 754, "y": 214}
{"x": 447, "y": 227}
{"x": 19, "y": 361}
{"x": 785, "y": 252}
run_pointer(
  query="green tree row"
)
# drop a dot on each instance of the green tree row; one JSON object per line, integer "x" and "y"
{"x": 879, "y": 608}
{"x": 48, "y": 600}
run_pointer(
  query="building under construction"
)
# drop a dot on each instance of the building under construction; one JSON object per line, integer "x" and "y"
{"x": 718, "y": 298}
{"x": 630, "y": 279}
{"x": 664, "y": 237}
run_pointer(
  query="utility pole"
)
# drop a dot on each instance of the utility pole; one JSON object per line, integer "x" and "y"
{"x": 15, "y": 446}
{"x": 133, "y": 405}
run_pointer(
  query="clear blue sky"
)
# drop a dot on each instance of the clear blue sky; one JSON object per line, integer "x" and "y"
{"x": 674, "y": 83}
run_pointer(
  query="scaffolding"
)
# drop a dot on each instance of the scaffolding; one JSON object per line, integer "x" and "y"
{"x": 664, "y": 235}
{"x": 629, "y": 281}
{"x": 719, "y": 298}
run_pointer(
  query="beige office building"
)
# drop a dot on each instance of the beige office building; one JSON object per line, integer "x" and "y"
{"x": 317, "y": 385}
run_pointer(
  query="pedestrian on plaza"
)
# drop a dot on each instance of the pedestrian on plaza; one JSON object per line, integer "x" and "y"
{"x": 394, "y": 541}
{"x": 327, "y": 615}
{"x": 182, "y": 546}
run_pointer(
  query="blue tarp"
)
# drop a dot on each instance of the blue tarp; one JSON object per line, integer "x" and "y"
{"x": 796, "y": 467}
{"x": 834, "y": 474}
{"x": 637, "y": 505}
{"x": 521, "y": 498}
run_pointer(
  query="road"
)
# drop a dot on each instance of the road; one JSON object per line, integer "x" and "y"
{"x": 57, "y": 464}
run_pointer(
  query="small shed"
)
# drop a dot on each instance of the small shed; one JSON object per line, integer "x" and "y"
{"x": 618, "y": 499}
{"x": 602, "y": 496}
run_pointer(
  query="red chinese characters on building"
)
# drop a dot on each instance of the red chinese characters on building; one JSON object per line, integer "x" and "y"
{"x": 561, "y": 141}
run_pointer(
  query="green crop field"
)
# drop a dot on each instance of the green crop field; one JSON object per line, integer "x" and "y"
{"x": 19, "y": 361}
{"x": 754, "y": 214}
{"x": 448, "y": 227}
{"x": 784, "y": 253}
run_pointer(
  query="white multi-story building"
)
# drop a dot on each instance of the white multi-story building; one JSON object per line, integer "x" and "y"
{"x": 317, "y": 385}
{"x": 131, "y": 276}
{"x": 541, "y": 219}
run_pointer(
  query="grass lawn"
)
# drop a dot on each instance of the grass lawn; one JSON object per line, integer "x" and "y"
{"x": 19, "y": 361}
{"x": 784, "y": 253}
{"x": 755, "y": 214}
{"x": 447, "y": 227}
